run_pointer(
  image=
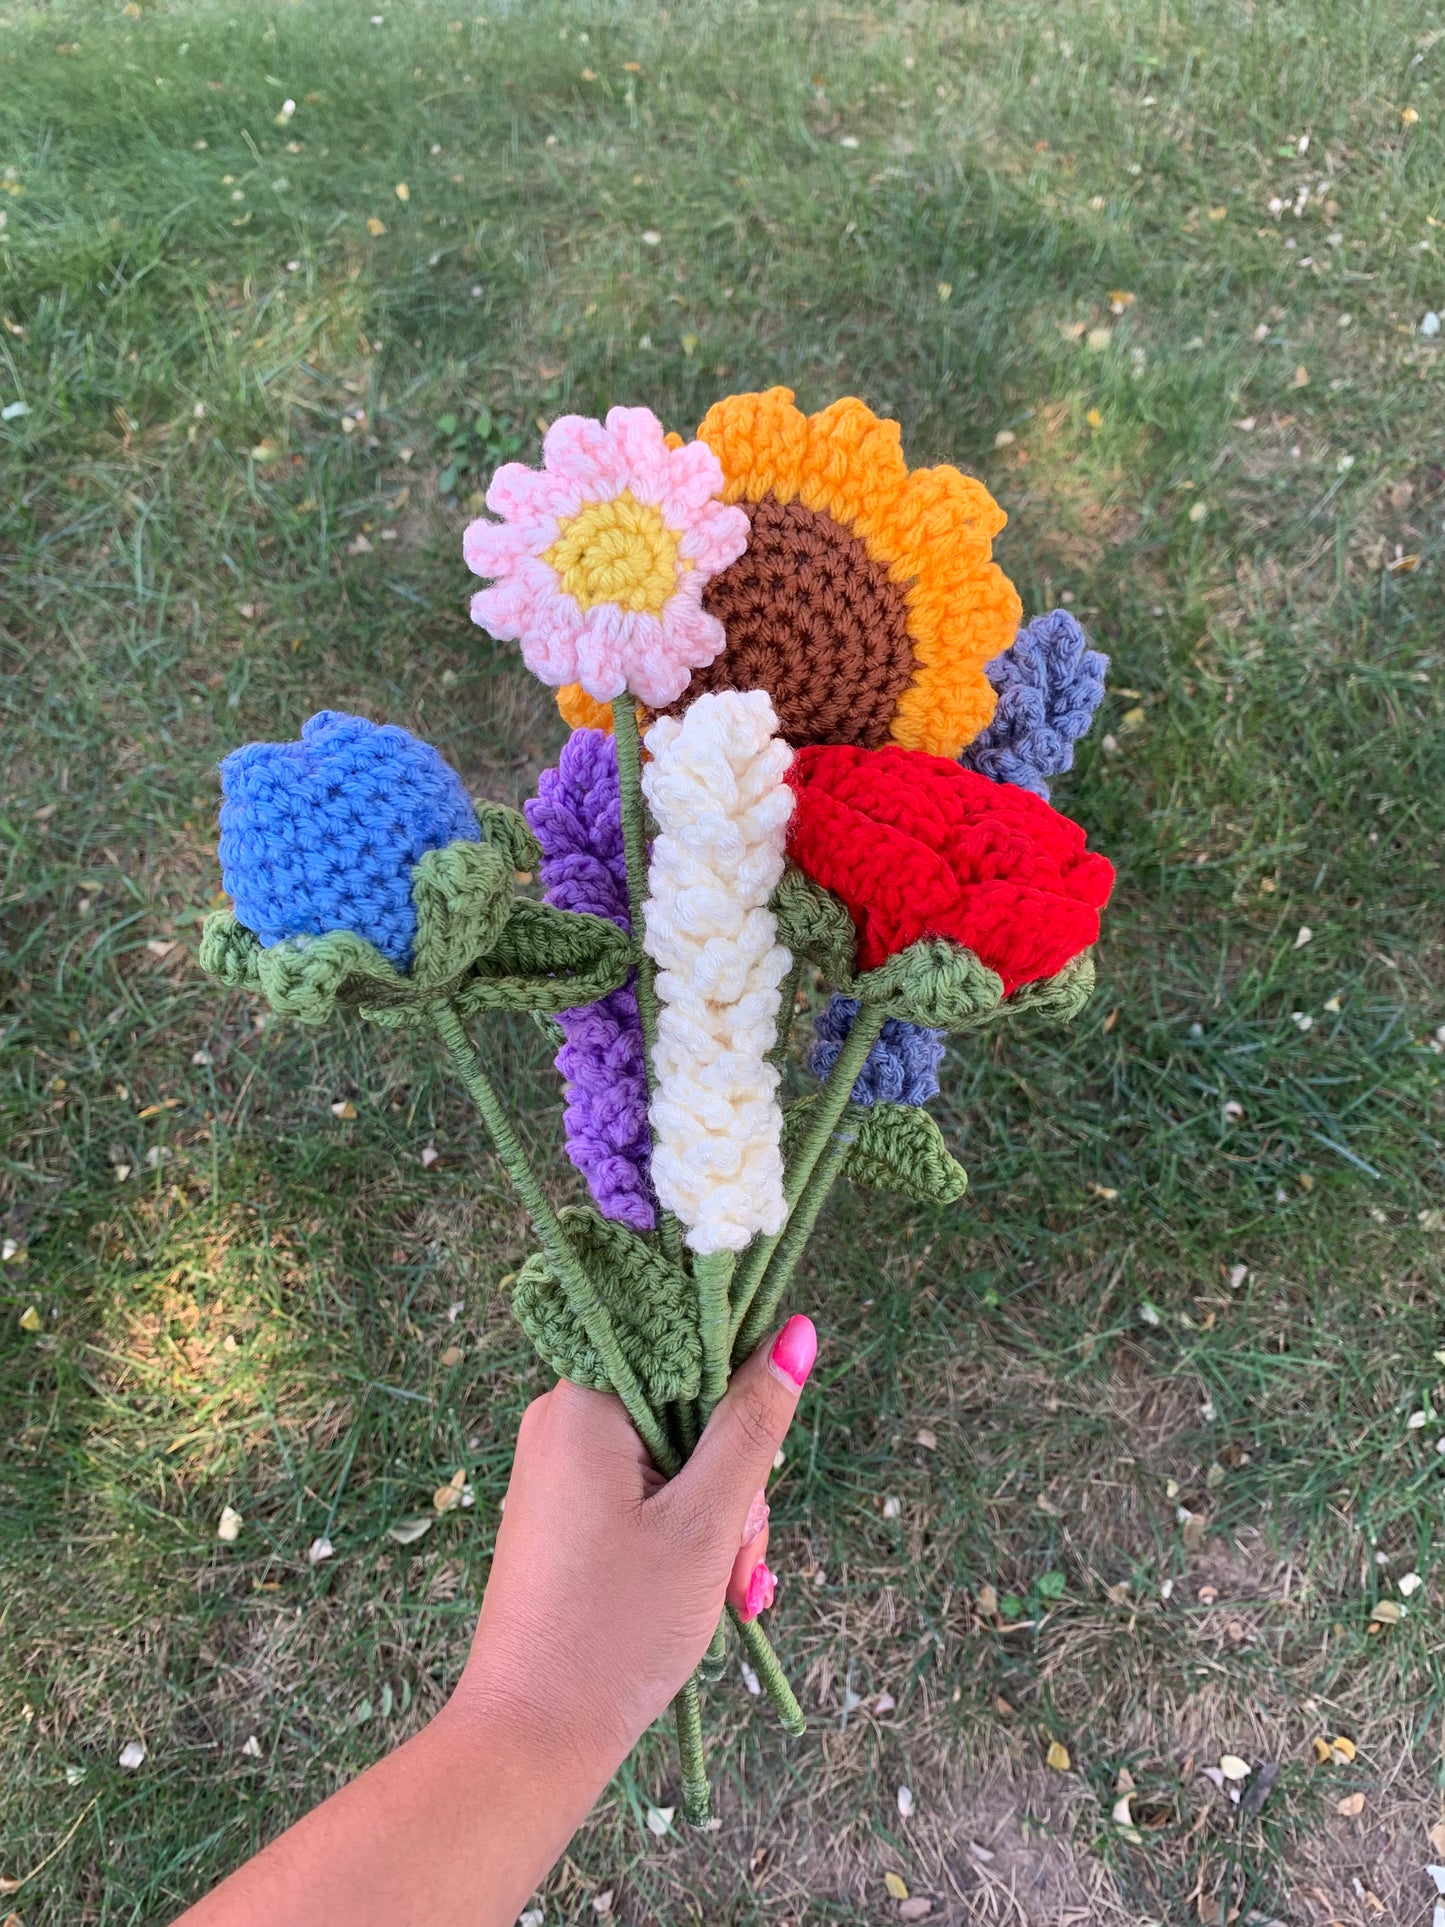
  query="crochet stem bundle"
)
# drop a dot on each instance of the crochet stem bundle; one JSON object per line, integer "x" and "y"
{"x": 829, "y": 1108}
{"x": 588, "y": 1308}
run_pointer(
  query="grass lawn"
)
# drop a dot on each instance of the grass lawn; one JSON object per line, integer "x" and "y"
{"x": 1157, "y": 1404}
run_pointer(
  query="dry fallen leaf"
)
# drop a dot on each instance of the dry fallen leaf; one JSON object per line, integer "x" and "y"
{"x": 919, "y": 1908}
{"x": 373, "y": 226}
{"x": 344, "y": 1109}
{"x": 1387, "y": 1613}
{"x": 403, "y": 192}
{"x": 1259, "y": 1789}
{"x": 448, "y": 1497}
{"x": 1342, "y": 1749}
{"x": 659, "y": 1819}
{"x": 1351, "y": 1805}
{"x": 896, "y": 1885}
{"x": 1436, "y": 1837}
{"x": 1234, "y": 1768}
{"x": 1058, "y": 1757}
{"x": 926, "y": 1438}
{"x": 602, "y": 1903}
{"x": 1301, "y": 377}
{"x": 987, "y": 1600}
{"x": 319, "y": 1550}
{"x": 451, "y": 1356}
{"x": 406, "y": 1532}
{"x": 1324, "y": 1753}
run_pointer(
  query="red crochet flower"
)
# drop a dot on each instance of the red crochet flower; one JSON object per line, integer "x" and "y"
{"x": 918, "y": 847}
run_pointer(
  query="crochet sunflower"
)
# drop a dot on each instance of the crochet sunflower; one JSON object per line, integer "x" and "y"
{"x": 867, "y": 602}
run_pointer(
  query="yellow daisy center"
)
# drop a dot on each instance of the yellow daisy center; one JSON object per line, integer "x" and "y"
{"x": 620, "y": 552}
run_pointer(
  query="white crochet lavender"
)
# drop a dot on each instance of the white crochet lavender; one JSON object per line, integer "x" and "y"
{"x": 715, "y": 786}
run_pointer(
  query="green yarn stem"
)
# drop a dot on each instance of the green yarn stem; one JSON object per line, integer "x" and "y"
{"x": 713, "y": 1663}
{"x": 769, "y": 1669}
{"x": 591, "y": 1313}
{"x": 696, "y": 1793}
{"x": 634, "y": 845}
{"x": 789, "y": 996}
{"x": 712, "y": 1271}
{"x": 796, "y": 1233}
{"x": 831, "y": 1102}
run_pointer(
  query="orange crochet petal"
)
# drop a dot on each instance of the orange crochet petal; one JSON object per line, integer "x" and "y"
{"x": 932, "y": 530}
{"x": 580, "y": 711}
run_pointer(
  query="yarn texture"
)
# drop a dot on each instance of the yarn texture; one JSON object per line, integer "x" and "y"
{"x": 1049, "y": 683}
{"x": 834, "y": 504}
{"x": 602, "y": 555}
{"x": 576, "y": 816}
{"x": 901, "y": 1068}
{"x": 890, "y": 1147}
{"x": 652, "y": 1306}
{"x": 322, "y": 834}
{"x": 717, "y": 792}
{"x": 917, "y": 847}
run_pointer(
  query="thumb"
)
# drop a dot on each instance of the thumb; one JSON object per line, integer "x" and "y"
{"x": 735, "y": 1453}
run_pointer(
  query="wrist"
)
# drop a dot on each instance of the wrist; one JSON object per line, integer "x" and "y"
{"x": 553, "y": 1743}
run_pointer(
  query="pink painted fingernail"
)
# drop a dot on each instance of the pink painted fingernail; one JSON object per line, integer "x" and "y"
{"x": 794, "y": 1349}
{"x": 761, "y": 1587}
{"x": 757, "y": 1517}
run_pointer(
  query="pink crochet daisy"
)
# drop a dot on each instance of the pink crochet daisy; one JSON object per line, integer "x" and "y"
{"x": 602, "y": 555}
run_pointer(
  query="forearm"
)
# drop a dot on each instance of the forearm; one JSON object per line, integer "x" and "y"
{"x": 457, "y": 1826}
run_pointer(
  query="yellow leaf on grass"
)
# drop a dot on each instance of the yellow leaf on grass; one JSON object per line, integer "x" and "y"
{"x": 1323, "y": 1751}
{"x": 1351, "y": 1805}
{"x": 373, "y": 226}
{"x": 1300, "y": 378}
{"x": 30, "y": 1319}
{"x": 1342, "y": 1748}
{"x": 1094, "y": 418}
{"x": 403, "y": 192}
{"x": 1234, "y": 1768}
{"x": 1058, "y": 1757}
{"x": 896, "y": 1885}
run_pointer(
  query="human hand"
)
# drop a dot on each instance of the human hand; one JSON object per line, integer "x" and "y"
{"x": 608, "y": 1581}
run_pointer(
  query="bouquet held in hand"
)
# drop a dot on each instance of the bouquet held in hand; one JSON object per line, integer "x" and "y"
{"x": 811, "y": 751}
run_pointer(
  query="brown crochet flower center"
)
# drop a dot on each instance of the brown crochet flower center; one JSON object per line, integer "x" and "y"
{"x": 811, "y": 618}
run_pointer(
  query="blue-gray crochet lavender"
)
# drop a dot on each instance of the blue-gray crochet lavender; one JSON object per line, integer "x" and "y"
{"x": 901, "y": 1068}
{"x": 1049, "y": 684}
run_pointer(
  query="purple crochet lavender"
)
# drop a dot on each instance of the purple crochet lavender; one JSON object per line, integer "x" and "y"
{"x": 1049, "y": 683}
{"x": 576, "y": 816}
{"x": 901, "y": 1068}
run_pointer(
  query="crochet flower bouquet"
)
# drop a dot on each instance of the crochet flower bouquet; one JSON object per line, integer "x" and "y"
{"x": 811, "y": 746}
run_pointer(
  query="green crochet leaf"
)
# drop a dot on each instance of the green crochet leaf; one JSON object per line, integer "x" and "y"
{"x": 509, "y": 831}
{"x": 463, "y": 895}
{"x": 1057, "y": 999}
{"x": 932, "y": 982}
{"x": 229, "y": 951}
{"x": 813, "y": 923}
{"x": 653, "y": 1307}
{"x": 896, "y": 1147}
{"x": 305, "y": 977}
{"x": 547, "y": 959}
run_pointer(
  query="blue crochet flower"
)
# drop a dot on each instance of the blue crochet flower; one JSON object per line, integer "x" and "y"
{"x": 1049, "y": 683}
{"x": 322, "y": 834}
{"x": 901, "y": 1068}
